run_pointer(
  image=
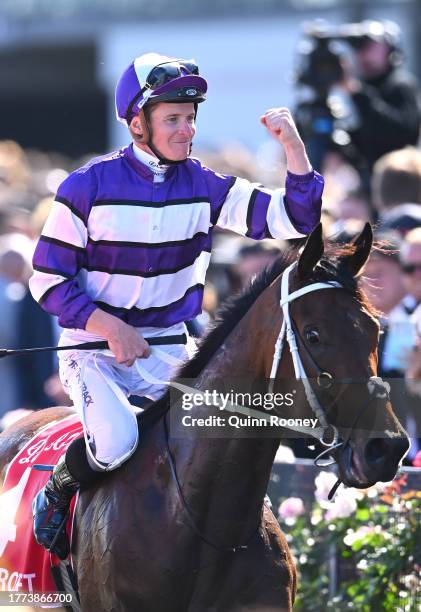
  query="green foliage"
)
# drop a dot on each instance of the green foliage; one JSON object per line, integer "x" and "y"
{"x": 378, "y": 547}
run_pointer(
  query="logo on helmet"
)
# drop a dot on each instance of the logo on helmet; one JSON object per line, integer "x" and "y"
{"x": 191, "y": 92}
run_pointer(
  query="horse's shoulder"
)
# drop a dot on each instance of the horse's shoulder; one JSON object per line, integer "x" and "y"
{"x": 14, "y": 437}
{"x": 271, "y": 531}
{"x": 276, "y": 544}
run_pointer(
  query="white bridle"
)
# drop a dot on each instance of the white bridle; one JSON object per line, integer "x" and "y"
{"x": 288, "y": 332}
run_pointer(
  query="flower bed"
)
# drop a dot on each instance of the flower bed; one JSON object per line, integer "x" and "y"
{"x": 360, "y": 552}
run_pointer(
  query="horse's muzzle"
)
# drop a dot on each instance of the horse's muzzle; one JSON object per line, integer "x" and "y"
{"x": 378, "y": 459}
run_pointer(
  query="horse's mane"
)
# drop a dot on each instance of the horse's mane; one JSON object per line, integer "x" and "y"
{"x": 233, "y": 310}
{"x": 230, "y": 313}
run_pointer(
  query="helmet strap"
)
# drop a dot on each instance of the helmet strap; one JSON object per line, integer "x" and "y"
{"x": 163, "y": 160}
{"x": 145, "y": 137}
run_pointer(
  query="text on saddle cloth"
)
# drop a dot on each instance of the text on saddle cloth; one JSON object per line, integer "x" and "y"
{"x": 24, "y": 565}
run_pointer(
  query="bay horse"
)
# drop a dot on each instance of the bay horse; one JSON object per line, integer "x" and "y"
{"x": 182, "y": 526}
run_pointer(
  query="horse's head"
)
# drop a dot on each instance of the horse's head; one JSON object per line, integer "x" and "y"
{"x": 336, "y": 334}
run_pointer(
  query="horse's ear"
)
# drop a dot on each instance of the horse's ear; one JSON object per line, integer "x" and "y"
{"x": 362, "y": 243}
{"x": 311, "y": 254}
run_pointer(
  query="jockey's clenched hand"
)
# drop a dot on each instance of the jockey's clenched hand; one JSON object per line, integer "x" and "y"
{"x": 127, "y": 344}
{"x": 281, "y": 125}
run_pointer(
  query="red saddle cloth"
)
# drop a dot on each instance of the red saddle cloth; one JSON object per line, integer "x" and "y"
{"x": 24, "y": 564}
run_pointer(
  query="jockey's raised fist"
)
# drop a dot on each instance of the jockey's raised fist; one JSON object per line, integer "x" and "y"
{"x": 281, "y": 125}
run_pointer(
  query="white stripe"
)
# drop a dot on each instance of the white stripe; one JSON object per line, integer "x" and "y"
{"x": 233, "y": 214}
{"x": 277, "y": 219}
{"x": 62, "y": 224}
{"x": 40, "y": 283}
{"x": 125, "y": 291}
{"x": 147, "y": 224}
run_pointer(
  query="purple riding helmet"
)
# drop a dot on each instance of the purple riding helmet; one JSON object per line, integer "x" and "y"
{"x": 153, "y": 78}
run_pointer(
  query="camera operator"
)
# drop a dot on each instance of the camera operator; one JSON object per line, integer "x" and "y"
{"x": 384, "y": 94}
{"x": 371, "y": 101}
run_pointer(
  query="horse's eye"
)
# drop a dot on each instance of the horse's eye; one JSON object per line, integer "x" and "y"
{"x": 312, "y": 336}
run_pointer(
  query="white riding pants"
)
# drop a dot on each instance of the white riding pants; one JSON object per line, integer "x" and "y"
{"x": 99, "y": 388}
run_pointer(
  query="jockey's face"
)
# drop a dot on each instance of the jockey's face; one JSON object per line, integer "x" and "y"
{"x": 173, "y": 129}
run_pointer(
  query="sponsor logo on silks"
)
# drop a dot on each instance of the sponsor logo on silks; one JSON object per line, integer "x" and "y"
{"x": 191, "y": 92}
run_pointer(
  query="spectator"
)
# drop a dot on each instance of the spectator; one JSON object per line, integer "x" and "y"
{"x": 40, "y": 387}
{"x": 400, "y": 336}
{"x": 353, "y": 205}
{"x": 402, "y": 218}
{"x": 383, "y": 94}
{"x": 397, "y": 180}
{"x": 393, "y": 291}
{"x": 252, "y": 259}
{"x": 411, "y": 267}
{"x": 413, "y": 385}
{"x": 14, "y": 272}
{"x": 383, "y": 283}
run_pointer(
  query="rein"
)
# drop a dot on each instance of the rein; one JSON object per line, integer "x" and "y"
{"x": 189, "y": 513}
{"x": 91, "y": 346}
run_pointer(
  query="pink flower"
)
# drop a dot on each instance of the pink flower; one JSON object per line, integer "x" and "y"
{"x": 291, "y": 508}
{"x": 417, "y": 460}
{"x": 324, "y": 482}
{"x": 343, "y": 506}
{"x": 360, "y": 533}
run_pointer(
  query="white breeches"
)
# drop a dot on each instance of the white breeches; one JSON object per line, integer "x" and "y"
{"x": 99, "y": 388}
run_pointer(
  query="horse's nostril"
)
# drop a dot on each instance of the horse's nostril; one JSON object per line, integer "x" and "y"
{"x": 376, "y": 450}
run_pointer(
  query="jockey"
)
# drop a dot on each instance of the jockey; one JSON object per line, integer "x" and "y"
{"x": 123, "y": 257}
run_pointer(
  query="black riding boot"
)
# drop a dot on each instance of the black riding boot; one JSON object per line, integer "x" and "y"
{"x": 50, "y": 507}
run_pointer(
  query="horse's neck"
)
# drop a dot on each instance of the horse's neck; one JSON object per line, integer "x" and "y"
{"x": 222, "y": 475}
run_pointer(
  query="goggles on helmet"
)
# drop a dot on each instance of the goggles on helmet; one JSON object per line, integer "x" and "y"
{"x": 167, "y": 71}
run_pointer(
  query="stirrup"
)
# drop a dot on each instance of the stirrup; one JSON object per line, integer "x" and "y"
{"x": 50, "y": 525}
{"x": 51, "y": 509}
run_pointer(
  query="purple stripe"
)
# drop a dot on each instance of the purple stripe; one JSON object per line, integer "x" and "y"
{"x": 303, "y": 200}
{"x": 147, "y": 260}
{"x": 63, "y": 259}
{"x": 72, "y": 306}
{"x": 121, "y": 183}
{"x": 189, "y": 306}
{"x": 217, "y": 203}
{"x": 256, "y": 215}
